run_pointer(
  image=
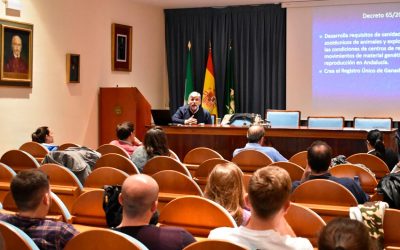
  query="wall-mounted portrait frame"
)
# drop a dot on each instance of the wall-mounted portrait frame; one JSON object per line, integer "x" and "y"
{"x": 121, "y": 47}
{"x": 16, "y": 55}
{"x": 73, "y": 68}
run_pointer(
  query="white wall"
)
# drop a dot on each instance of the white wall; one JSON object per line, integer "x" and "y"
{"x": 82, "y": 27}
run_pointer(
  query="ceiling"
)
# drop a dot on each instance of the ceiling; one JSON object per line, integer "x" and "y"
{"x": 171, "y": 4}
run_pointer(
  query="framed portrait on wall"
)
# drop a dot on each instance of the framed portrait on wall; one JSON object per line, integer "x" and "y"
{"x": 16, "y": 53}
{"x": 73, "y": 68}
{"x": 121, "y": 47}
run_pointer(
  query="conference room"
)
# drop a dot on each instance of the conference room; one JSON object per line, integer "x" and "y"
{"x": 308, "y": 70}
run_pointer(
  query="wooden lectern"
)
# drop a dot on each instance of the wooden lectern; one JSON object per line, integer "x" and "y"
{"x": 117, "y": 105}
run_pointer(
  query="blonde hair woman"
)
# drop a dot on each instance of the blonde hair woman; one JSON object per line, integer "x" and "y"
{"x": 225, "y": 186}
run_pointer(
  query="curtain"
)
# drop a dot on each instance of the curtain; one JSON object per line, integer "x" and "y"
{"x": 257, "y": 35}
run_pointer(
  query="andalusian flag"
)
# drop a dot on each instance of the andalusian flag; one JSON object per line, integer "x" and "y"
{"x": 209, "y": 101}
{"x": 229, "y": 86}
{"x": 189, "y": 86}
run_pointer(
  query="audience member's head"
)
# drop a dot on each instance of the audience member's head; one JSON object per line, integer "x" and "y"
{"x": 124, "y": 130}
{"x": 155, "y": 142}
{"x": 319, "y": 156}
{"x": 138, "y": 197}
{"x": 255, "y": 133}
{"x": 269, "y": 192}
{"x": 31, "y": 191}
{"x": 345, "y": 234}
{"x": 42, "y": 135}
{"x": 375, "y": 141}
{"x": 225, "y": 186}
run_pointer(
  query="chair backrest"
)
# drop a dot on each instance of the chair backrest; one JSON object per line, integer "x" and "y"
{"x": 214, "y": 244}
{"x": 159, "y": 163}
{"x": 37, "y": 150}
{"x": 118, "y": 161}
{"x": 63, "y": 182}
{"x": 367, "y": 180}
{"x": 283, "y": 118}
{"x": 199, "y": 155}
{"x": 64, "y": 146}
{"x": 305, "y": 222}
{"x": 324, "y": 192}
{"x": 391, "y": 220}
{"x": 204, "y": 169}
{"x": 58, "y": 210}
{"x": 173, "y": 155}
{"x": 170, "y": 181}
{"x": 325, "y": 122}
{"x": 196, "y": 214}
{"x": 19, "y": 160}
{"x": 300, "y": 159}
{"x": 207, "y": 166}
{"x": 88, "y": 209}
{"x": 367, "y": 123}
{"x": 60, "y": 175}
{"x": 6, "y": 175}
{"x": 250, "y": 160}
{"x": 105, "y": 176}
{"x": 294, "y": 170}
{"x": 173, "y": 184}
{"x": 103, "y": 239}
{"x": 109, "y": 148}
{"x": 374, "y": 163}
{"x": 15, "y": 238}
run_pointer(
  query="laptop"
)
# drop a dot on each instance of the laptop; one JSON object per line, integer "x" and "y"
{"x": 161, "y": 117}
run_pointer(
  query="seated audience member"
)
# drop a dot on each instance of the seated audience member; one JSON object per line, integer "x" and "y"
{"x": 268, "y": 199}
{"x": 345, "y": 234}
{"x": 192, "y": 113}
{"x": 44, "y": 136}
{"x": 255, "y": 138}
{"x": 225, "y": 187}
{"x": 31, "y": 192}
{"x": 376, "y": 147}
{"x": 126, "y": 137}
{"x": 138, "y": 199}
{"x": 155, "y": 144}
{"x": 319, "y": 156}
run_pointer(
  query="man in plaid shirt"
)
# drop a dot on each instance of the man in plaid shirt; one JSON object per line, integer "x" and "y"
{"x": 31, "y": 192}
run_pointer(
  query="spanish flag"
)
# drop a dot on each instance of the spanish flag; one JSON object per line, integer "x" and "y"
{"x": 209, "y": 101}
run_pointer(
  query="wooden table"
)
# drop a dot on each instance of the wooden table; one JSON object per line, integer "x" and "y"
{"x": 225, "y": 139}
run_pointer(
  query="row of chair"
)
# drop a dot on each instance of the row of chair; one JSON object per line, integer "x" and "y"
{"x": 174, "y": 184}
{"x": 100, "y": 239}
{"x": 248, "y": 160}
{"x": 199, "y": 215}
{"x": 291, "y": 119}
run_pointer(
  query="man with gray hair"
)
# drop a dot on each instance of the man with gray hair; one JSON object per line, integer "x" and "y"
{"x": 192, "y": 113}
{"x": 255, "y": 138}
{"x": 138, "y": 199}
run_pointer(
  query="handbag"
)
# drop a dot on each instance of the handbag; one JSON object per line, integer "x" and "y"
{"x": 113, "y": 209}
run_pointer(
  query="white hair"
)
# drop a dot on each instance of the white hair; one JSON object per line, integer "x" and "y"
{"x": 194, "y": 94}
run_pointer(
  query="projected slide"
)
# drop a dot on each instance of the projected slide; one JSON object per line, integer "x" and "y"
{"x": 356, "y": 53}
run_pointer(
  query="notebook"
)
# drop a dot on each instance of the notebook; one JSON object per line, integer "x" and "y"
{"x": 161, "y": 116}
